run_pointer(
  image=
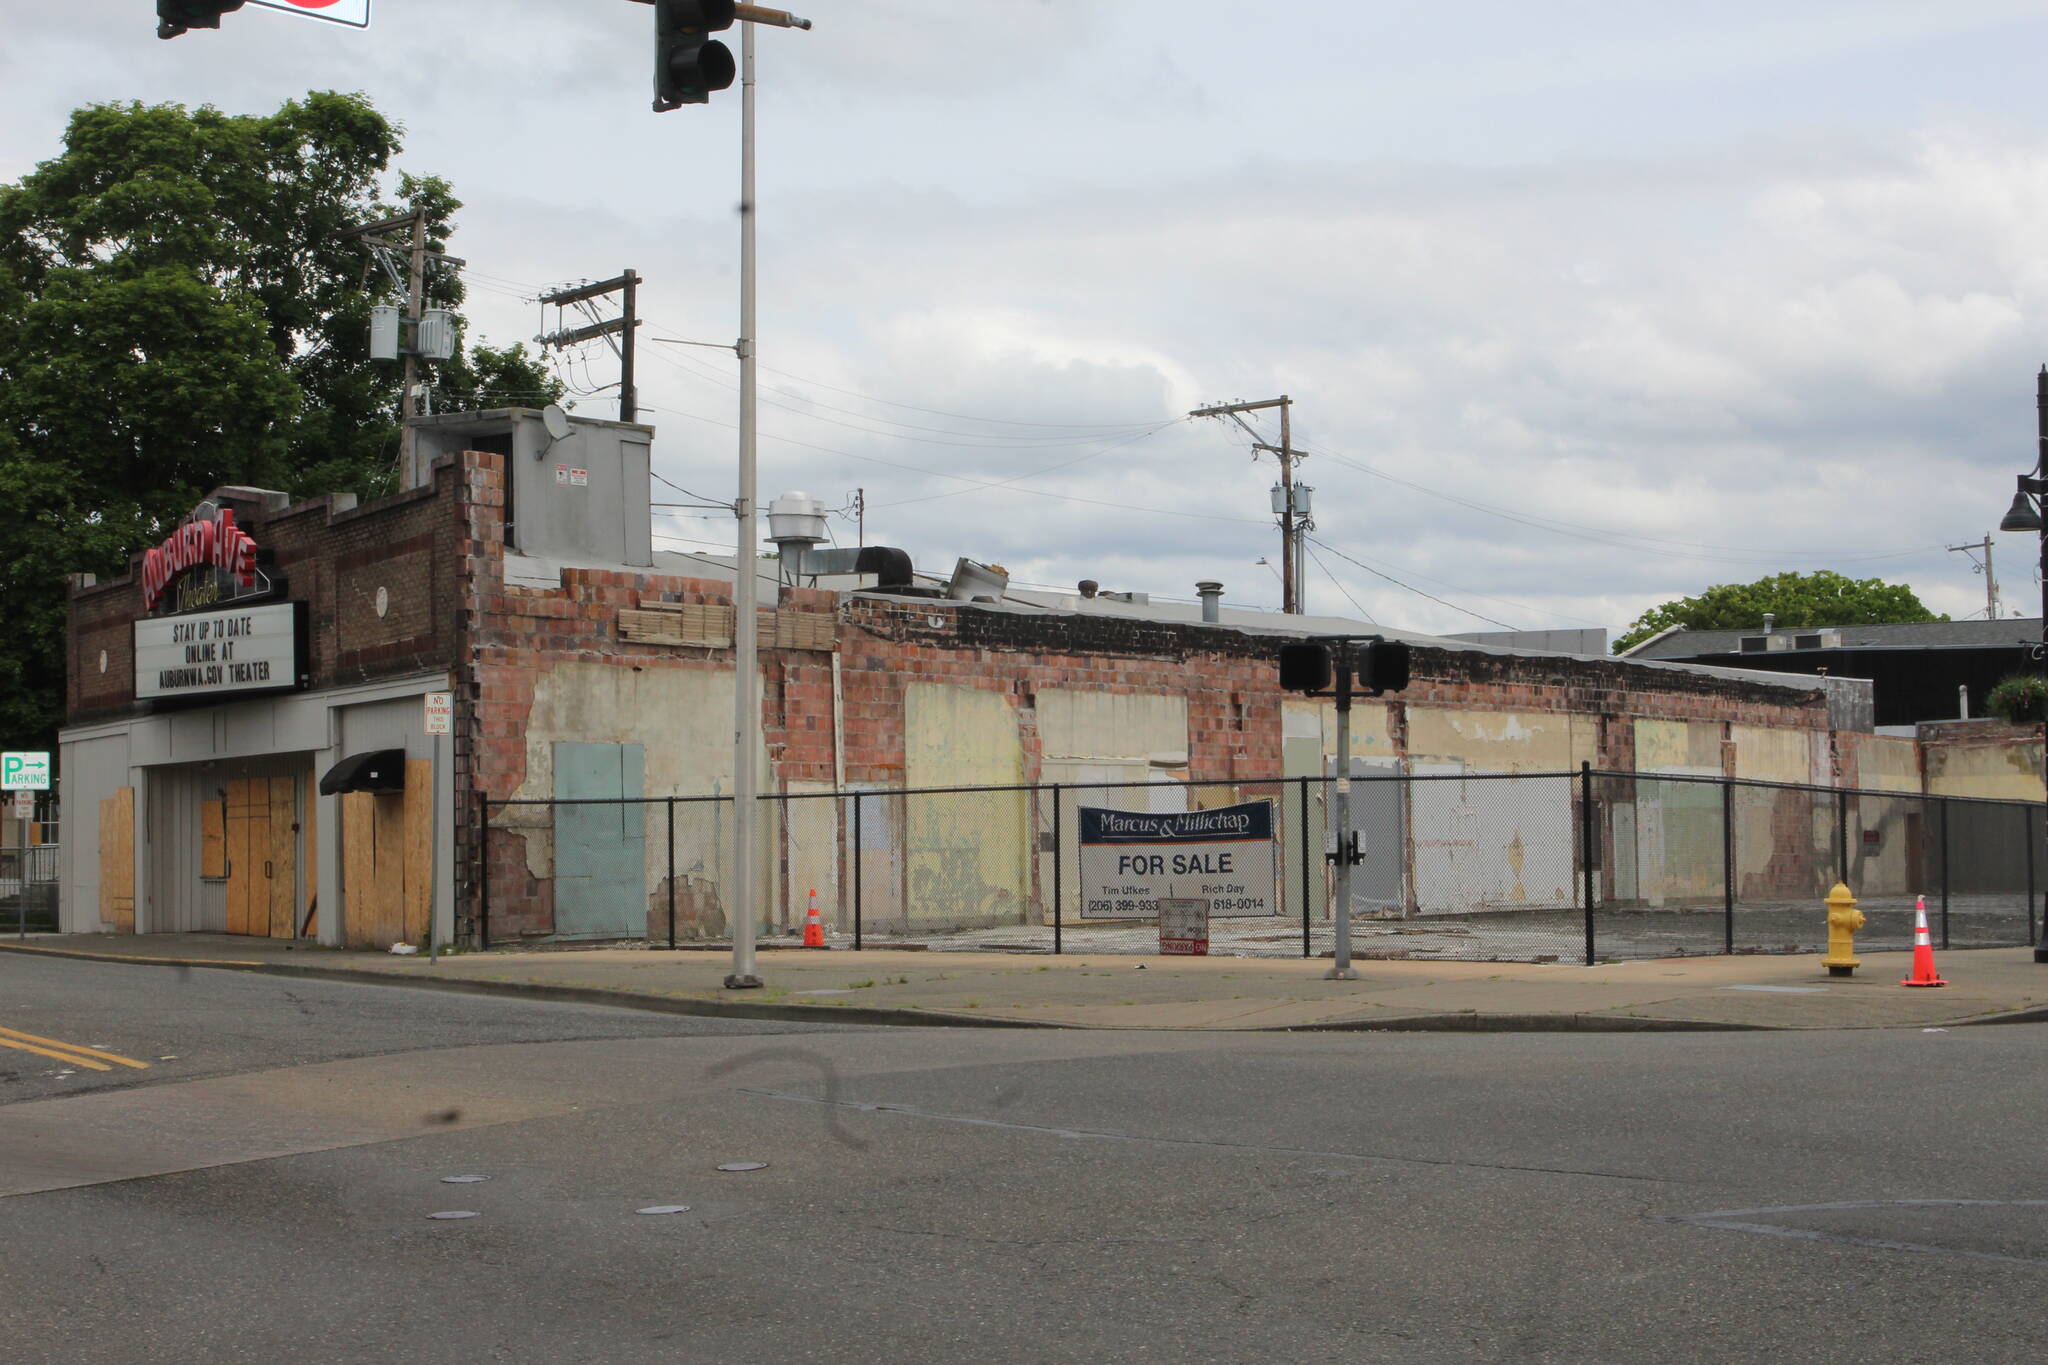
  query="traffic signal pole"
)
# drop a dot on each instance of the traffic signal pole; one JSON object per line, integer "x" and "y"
{"x": 1340, "y": 815}
{"x": 746, "y": 660}
{"x": 746, "y": 665}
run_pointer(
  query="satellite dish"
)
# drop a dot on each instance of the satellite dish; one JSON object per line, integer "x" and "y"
{"x": 555, "y": 420}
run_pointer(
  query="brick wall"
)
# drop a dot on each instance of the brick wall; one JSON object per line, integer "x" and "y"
{"x": 334, "y": 559}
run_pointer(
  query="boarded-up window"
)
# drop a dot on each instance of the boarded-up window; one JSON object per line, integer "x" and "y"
{"x": 213, "y": 839}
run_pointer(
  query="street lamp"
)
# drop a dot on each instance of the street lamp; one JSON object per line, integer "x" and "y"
{"x": 2025, "y": 515}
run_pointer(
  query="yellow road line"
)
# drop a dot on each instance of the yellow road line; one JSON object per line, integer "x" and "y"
{"x": 79, "y": 1049}
{"x": 60, "y": 1056}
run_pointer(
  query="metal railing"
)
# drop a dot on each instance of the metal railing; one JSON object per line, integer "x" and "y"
{"x": 1553, "y": 866}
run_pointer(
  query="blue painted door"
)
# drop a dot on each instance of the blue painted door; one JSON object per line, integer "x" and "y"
{"x": 600, "y": 851}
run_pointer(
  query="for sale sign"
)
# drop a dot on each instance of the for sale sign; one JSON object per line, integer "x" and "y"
{"x": 354, "y": 13}
{"x": 1129, "y": 859}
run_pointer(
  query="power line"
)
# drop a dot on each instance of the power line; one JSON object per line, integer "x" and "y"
{"x": 1411, "y": 588}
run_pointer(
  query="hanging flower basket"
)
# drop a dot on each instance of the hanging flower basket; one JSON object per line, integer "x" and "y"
{"x": 2019, "y": 700}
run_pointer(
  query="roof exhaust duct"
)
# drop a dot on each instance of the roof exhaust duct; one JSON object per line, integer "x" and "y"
{"x": 1211, "y": 593}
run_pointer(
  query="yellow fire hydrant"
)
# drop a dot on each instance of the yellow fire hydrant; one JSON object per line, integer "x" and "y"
{"x": 1844, "y": 919}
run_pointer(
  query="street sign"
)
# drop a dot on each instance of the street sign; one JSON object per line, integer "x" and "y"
{"x": 440, "y": 713}
{"x": 354, "y": 13}
{"x": 24, "y": 805}
{"x": 25, "y": 772}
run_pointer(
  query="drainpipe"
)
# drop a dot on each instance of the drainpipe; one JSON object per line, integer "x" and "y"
{"x": 1211, "y": 594}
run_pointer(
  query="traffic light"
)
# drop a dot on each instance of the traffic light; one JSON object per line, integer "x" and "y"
{"x": 176, "y": 16}
{"x": 688, "y": 62}
{"x": 1382, "y": 667}
{"x": 1305, "y": 668}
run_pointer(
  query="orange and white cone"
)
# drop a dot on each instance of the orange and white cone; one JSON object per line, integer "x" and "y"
{"x": 814, "y": 928}
{"x": 1923, "y": 950}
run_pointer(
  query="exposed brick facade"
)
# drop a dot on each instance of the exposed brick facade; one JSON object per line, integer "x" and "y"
{"x": 439, "y": 555}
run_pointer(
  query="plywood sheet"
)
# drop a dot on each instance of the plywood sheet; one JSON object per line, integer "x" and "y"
{"x": 359, "y": 868}
{"x": 117, "y": 861}
{"x": 246, "y": 797}
{"x": 309, "y": 923}
{"x": 390, "y": 859}
{"x": 419, "y": 846}
{"x": 282, "y": 857}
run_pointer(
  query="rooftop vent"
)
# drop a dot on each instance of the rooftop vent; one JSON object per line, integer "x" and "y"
{"x": 1764, "y": 644}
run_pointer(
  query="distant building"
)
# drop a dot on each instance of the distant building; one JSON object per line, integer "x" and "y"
{"x": 1915, "y": 669}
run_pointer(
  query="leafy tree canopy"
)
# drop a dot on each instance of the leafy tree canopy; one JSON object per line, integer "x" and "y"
{"x": 1821, "y": 598}
{"x": 176, "y": 314}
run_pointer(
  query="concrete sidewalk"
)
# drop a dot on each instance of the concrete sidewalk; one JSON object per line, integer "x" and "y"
{"x": 1003, "y": 989}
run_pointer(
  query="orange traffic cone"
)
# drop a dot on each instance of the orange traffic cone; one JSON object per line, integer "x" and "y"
{"x": 814, "y": 928}
{"x": 1923, "y": 950}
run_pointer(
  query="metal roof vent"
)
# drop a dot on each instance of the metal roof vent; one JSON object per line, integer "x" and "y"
{"x": 796, "y": 523}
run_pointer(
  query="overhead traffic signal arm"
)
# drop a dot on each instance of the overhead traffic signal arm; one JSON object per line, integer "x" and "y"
{"x": 174, "y": 17}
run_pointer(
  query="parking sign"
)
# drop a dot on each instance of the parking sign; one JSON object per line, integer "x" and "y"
{"x": 27, "y": 771}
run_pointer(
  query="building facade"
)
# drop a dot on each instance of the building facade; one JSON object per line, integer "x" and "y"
{"x": 589, "y": 678}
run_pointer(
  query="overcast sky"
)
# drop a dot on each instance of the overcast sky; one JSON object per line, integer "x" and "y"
{"x": 1583, "y": 304}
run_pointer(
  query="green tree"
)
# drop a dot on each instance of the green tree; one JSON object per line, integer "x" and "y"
{"x": 175, "y": 314}
{"x": 1821, "y": 598}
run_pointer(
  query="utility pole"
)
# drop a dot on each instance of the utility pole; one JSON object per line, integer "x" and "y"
{"x": 1290, "y": 547}
{"x": 627, "y": 285}
{"x": 1990, "y": 583}
{"x": 414, "y": 249}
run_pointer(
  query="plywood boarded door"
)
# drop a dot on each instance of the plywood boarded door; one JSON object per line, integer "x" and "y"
{"x": 117, "y": 861}
{"x": 262, "y": 856}
{"x": 248, "y": 837}
{"x": 387, "y": 861}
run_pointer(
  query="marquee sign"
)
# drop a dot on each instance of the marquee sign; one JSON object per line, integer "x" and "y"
{"x": 215, "y": 655}
{"x": 1130, "y": 859}
{"x": 215, "y": 542}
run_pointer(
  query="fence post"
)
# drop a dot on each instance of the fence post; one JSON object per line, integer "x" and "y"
{"x": 1059, "y": 864}
{"x": 2027, "y": 838}
{"x": 856, "y": 861}
{"x": 1728, "y": 867}
{"x": 1842, "y": 835}
{"x": 1307, "y": 865}
{"x": 483, "y": 880}
{"x": 1586, "y": 847}
{"x": 1944, "y": 873}
{"x": 671, "y": 872}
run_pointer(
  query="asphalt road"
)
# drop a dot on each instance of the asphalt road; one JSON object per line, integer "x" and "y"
{"x": 979, "y": 1195}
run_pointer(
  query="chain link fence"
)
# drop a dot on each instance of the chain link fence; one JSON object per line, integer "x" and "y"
{"x": 1525, "y": 867}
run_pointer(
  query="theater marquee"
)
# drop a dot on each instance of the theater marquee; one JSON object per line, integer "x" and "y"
{"x": 206, "y": 655}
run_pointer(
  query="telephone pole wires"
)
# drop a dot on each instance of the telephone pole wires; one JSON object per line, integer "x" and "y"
{"x": 1288, "y": 506}
{"x": 627, "y": 285}
{"x": 1990, "y": 583}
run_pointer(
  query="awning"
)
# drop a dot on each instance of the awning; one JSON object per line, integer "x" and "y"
{"x": 380, "y": 770}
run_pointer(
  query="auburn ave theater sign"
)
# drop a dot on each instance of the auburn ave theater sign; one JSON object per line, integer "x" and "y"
{"x": 208, "y": 637}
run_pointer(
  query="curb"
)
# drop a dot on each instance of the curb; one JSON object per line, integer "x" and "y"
{"x": 567, "y": 995}
{"x": 916, "y": 1018}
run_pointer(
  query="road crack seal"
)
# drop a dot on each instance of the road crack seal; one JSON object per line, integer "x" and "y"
{"x": 1095, "y": 1135}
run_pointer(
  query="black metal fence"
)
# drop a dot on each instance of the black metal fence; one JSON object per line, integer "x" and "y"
{"x": 1564, "y": 866}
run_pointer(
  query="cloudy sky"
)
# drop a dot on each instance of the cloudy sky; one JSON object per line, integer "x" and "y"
{"x": 1583, "y": 304}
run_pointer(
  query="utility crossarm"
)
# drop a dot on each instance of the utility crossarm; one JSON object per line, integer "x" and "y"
{"x": 403, "y": 220}
{"x": 759, "y": 14}
{"x": 589, "y": 291}
{"x": 595, "y": 329}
